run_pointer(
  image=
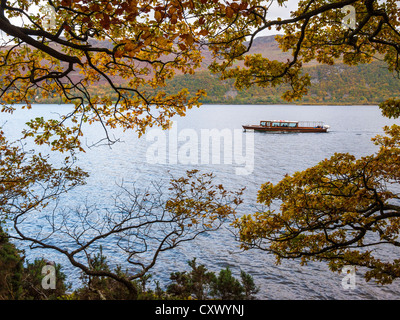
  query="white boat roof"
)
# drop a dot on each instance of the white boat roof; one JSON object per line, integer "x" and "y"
{"x": 293, "y": 121}
{"x": 279, "y": 121}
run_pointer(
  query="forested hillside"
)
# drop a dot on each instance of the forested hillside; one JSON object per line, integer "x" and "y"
{"x": 337, "y": 84}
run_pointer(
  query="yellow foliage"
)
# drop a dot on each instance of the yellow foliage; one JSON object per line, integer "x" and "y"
{"x": 328, "y": 212}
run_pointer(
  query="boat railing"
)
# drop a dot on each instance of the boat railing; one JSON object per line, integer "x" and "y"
{"x": 312, "y": 124}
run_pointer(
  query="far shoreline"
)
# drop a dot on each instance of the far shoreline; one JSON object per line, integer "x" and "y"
{"x": 238, "y": 104}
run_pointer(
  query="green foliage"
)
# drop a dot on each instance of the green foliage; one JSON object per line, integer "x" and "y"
{"x": 19, "y": 282}
{"x": 197, "y": 282}
{"x": 227, "y": 287}
{"x": 32, "y": 284}
{"x": 101, "y": 287}
{"x": 249, "y": 286}
{"x": 11, "y": 269}
{"x": 202, "y": 284}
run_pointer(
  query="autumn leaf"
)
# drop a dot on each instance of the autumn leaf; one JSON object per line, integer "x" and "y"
{"x": 229, "y": 12}
{"x": 158, "y": 16}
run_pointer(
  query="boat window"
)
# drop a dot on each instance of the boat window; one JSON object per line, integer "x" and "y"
{"x": 268, "y": 124}
{"x": 284, "y": 124}
{"x": 263, "y": 123}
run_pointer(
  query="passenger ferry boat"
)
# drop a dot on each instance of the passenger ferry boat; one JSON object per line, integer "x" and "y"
{"x": 288, "y": 126}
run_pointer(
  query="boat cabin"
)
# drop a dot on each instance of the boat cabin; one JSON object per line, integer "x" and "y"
{"x": 288, "y": 126}
{"x": 279, "y": 123}
{"x": 291, "y": 124}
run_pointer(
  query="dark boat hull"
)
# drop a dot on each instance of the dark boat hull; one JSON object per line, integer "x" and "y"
{"x": 284, "y": 129}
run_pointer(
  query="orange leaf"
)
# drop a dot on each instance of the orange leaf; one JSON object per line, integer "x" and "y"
{"x": 182, "y": 46}
{"x": 203, "y": 32}
{"x": 174, "y": 19}
{"x": 158, "y": 16}
{"x": 229, "y": 12}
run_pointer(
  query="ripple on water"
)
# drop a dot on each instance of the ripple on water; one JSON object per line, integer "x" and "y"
{"x": 275, "y": 155}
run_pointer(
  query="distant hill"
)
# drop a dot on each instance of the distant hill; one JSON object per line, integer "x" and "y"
{"x": 337, "y": 84}
{"x": 266, "y": 45}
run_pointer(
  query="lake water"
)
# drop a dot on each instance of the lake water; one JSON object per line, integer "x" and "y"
{"x": 134, "y": 162}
